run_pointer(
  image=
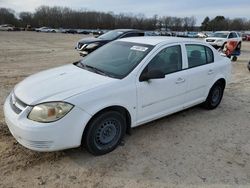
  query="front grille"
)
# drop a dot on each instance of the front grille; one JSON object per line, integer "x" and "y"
{"x": 16, "y": 104}
{"x": 210, "y": 40}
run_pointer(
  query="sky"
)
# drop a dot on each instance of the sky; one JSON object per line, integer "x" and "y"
{"x": 179, "y": 8}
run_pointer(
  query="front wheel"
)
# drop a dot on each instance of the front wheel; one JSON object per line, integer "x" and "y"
{"x": 234, "y": 58}
{"x": 214, "y": 97}
{"x": 104, "y": 132}
{"x": 238, "y": 46}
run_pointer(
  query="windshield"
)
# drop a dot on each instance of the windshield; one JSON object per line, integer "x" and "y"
{"x": 111, "y": 35}
{"x": 116, "y": 59}
{"x": 220, "y": 35}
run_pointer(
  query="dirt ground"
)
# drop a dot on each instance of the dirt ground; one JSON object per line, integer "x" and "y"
{"x": 193, "y": 148}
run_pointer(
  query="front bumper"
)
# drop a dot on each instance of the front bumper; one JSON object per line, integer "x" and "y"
{"x": 83, "y": 53}
{"x": 62, "y": 134}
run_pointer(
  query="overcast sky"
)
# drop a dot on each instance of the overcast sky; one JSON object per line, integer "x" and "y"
{"x": 179, "y": 8}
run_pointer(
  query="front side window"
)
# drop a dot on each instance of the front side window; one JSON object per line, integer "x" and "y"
{"x": 199, "y": 55}
{"x": 168, "y": 60}
{"x": 116, "y": 59}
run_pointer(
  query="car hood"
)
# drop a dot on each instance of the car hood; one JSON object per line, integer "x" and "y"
{"x": 91, "y": 40}
{"x": 58, "y": 84}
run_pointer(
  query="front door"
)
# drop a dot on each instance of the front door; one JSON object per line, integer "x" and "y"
{"x": 159, "y": 97}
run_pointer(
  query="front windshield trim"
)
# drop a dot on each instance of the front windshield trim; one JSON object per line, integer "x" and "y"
{"x": 121, "y": 76}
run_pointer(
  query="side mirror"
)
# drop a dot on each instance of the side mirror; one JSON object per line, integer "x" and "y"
{"x": 152, "y": 74}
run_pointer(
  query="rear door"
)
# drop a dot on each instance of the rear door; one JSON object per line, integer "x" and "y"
{"x": 200, "y": 72}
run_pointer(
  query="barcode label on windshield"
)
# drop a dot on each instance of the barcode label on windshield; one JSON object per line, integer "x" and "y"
{"x": 139, "y": 48}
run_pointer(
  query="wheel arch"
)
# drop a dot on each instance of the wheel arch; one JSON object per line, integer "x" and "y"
{"x": 116, "y": 108}
{"x": 219, "y": 79}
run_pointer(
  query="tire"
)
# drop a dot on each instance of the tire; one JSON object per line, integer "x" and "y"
{"x": 105, "y": 132}
{"x": 214, "y": 97}
{"x": 238, "y": 46}
{"x": 234, "y": 58}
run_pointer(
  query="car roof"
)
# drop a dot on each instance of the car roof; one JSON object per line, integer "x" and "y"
{"x": 154, "y": 40}
{"x": 127, "y": 30}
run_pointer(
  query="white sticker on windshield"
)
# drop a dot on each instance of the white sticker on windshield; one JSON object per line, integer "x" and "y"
{"x": 139, "y": 48}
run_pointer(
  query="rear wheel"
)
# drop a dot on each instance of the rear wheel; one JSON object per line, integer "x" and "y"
{"x": 104, "y": 132}
{"x": 214, "y": 97}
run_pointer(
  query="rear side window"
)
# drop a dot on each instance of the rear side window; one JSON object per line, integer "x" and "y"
{"x": 199, "y": 55}
{"x": 209, "y": 54}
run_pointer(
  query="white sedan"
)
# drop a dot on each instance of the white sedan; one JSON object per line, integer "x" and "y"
{"x": 220, "y": 38}
{"x": 6, "y": 27}
{"x": 121, "y": 85}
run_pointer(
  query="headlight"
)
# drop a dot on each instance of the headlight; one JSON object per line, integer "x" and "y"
{"x": 48, "y": 112}
{"x": 219, "y": 40}
{"x": 93, "y": 45}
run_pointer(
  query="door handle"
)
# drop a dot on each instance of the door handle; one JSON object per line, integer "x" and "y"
{"x": 210, "y": 72}
{"x": 180, "y": 80}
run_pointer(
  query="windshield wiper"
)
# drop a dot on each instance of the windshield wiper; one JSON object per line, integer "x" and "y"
{"x": 96, "y": 70}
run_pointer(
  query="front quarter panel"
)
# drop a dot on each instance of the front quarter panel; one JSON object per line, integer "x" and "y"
{"x": 120, "y": 93}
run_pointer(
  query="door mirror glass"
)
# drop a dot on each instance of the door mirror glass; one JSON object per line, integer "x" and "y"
{"x": 151, "y": 74}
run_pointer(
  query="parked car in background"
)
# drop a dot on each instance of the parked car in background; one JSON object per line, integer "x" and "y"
{"x": 201, "y": 35}
{"x": 151, "y": 33}
{"x": 42, "y": 29}
{"x": 97, "y": 32}
{"x": 86, "y": 46}
{"x": 7, "y": 27}
{"x": 46, "y": 30}
{"x": 82, "y": 31}
{"x": 246, "y": 37}
{"x": 124, "y": 84}
{"x": 192, "y": 34}
{"x": 29, "y": 28}
{"x": 71, "y": 31}
{"x": 209, "y": 33}
{"x": 220, "y": 38}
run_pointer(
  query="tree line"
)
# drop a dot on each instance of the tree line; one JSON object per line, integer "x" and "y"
{"x": 222, "y": 23}
{"x": 63, "y": 17}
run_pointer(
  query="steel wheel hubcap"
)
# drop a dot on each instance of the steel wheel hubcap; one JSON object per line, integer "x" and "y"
{"x": 216, "y": 96}
{"x": 107, "y": 132}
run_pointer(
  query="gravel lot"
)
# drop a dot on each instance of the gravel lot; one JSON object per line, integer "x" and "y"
{"x": 193, "y": 148}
